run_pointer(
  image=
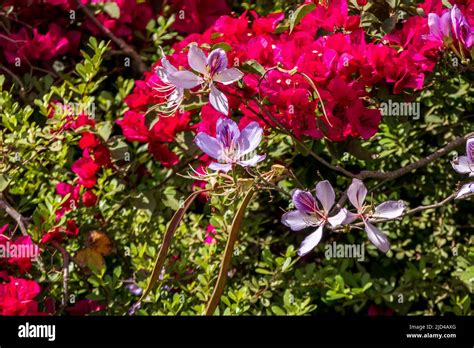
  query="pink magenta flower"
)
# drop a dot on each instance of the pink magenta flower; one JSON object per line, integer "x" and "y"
{"x": 386, "y": 210}
{"x": 309, "y": 214}
{"x": 231, "y": 146}
{"x": 465, "y": 165}
{"x": 210, "y": 233}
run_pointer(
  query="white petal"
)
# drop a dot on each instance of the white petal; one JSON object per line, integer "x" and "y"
{"x": 221, "y": 167}
{"x": 465, "y": 189}
{"x": 228, "y": 76}
{"x": 310, "y": 242}
{"x": 166, "y": 64}
{"x": 197, "y": 59}
{"x": 252, "y": 161}
{"x": 325, "y": 194}
{"x": 218, "y": 100}
{"x": 350, "y": 217}
{"x": 208, "y": 145}
{"x": 433, "y": 24}
{"x": 297, "y": 220}
{"x": 389, "y": 209}
{"x": 184, "y": 79}
{"x": 462, "y": 165}
{"x": 339, "y": 218}
{"x": 377, "y": 238}
{"x": 356, "y": 193}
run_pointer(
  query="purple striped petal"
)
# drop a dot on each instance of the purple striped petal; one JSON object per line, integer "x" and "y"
{"x": 445, "y": 25}
{"x": 304, "y": 201}
{"x": 470, "y": 150}
{"x": 227, "y": 132}
{"x": 217, "y": 61}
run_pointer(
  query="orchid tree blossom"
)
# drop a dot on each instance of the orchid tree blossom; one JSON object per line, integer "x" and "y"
{"x": 231, "y": 146}
{"x": 451, "y": 25}
{"x": 174, "y": 92}
{"x": 309, "y": 213}
{"x": 357, "y": 193}
{"x": 465, "y": 165}
{"x": 213, "y": 68}
{"x": 461, "y": 28}
{"x": 440, "y": 28}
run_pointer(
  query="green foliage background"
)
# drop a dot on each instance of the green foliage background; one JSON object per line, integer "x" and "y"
{"x": 429, "y": 269}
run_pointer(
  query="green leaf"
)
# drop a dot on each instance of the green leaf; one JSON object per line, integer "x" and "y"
{"x": 112, "y": 9}
{"x": 105, "y": 129}
{"x": 389, "y": 24}
{"x": 300, "y": 12}
{"x": 253, "y": 67}
{"x": 4, "y": 181}
{"x": 278, "y": 311}
{"x": 225, "y": 46}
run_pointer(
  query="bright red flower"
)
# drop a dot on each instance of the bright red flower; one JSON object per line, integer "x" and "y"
{"x": 83, "y": 307}
{"x": 86, "y": 169}
{"x": 133, "y": 126}
{"x": 88, "y": 140}
{"x": 89, "y": 198}
{"x": 195, "y": 16}
{"x": 17, "y": 297}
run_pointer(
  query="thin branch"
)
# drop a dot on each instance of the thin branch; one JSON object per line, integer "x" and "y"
{"x": 366, "y": 174}
{"x": 17, "y": 79}
{"x": 127, "y": 49}
{"x": 227, "y": 257}
{"x": 418, "y": 164}
{"x": 20, "y": 220}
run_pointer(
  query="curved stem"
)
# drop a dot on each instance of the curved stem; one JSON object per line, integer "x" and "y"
{"x": 160, "y": 259}
{"x": 229, "y": 249}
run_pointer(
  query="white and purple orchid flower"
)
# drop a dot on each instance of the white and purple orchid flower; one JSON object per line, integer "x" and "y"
{"x": 386, "y": 210}
{"x": 174, "y": 94}
{"x": 465, "y": 165}
{"x": 449, "y": 26}
{"x": 212, "y": 69}
{"x": 308, "y": 213}
{"x": 231, "y": 146}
